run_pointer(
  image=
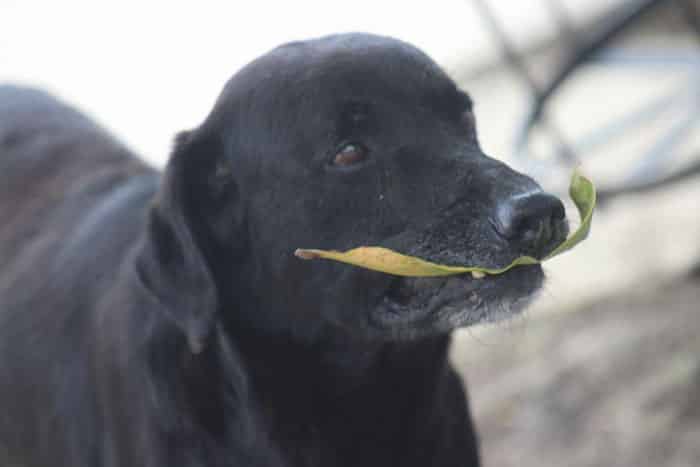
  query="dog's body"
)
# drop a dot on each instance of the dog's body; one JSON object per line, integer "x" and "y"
{"x": 162, "y": 320}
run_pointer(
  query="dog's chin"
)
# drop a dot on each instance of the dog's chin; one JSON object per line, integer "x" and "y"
{"x": 413, "y": 308}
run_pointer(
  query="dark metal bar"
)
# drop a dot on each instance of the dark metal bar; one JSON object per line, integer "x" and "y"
{"x": 691, "y": 14}
{"x": 520, "y": 67}
{"x": 691, "y": 171}
{"x": 625, "y": 17}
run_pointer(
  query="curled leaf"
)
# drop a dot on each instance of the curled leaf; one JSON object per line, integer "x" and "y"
{"x": 381, "y": 259}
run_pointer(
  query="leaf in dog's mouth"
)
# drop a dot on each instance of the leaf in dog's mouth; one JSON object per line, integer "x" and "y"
{"x": 582, "y": 192}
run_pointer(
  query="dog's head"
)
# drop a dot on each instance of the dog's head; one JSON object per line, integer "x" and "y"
{"x": 335, "y": 143}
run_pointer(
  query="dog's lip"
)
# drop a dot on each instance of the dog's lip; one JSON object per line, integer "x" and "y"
{"x": 392, "y": 310}
{"x": 446, "y": 291}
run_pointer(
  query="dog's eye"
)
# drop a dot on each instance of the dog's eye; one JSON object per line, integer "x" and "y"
{"x": 350, "y": 154}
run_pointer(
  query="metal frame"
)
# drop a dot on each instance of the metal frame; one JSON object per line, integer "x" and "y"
{"x": 596, "y": 48}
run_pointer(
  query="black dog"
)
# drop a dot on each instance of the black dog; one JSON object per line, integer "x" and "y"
{"x": 164, "y": 321}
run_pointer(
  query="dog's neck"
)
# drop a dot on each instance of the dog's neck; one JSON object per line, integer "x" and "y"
{"x": 340, "y": 368}
{"x": 317, "y": 394}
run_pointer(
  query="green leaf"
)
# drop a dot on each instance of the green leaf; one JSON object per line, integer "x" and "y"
{"x": 382, "y": 259}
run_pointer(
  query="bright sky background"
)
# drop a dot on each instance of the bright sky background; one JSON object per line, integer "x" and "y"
{"x": 147, "y": 69}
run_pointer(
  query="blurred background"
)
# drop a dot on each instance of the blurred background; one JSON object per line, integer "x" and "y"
{"x": 604, "y": 370}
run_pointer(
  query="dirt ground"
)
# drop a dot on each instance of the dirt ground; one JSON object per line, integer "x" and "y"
{"x": 616, "y": 383}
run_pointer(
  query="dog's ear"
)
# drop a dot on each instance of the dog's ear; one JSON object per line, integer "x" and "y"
{"x": 173, "y": 265}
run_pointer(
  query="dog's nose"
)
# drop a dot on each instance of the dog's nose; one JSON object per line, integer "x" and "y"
{"x": 533, "y": 221}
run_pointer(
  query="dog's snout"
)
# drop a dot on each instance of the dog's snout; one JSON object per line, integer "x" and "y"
{"x": 535, "y": 222}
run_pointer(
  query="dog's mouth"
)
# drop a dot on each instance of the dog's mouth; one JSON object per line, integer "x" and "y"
{"x": 421, "y": 305}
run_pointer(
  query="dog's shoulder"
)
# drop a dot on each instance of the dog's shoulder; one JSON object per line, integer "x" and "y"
{"x": 49, "y": 151}
{"x": 28, "y": 112}
{"x": 39, "y": 132}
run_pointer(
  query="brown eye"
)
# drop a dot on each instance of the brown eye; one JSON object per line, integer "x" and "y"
{"x": 350, "y": 154}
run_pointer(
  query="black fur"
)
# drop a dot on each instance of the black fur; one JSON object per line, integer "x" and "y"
{"x": 150, "y": 320}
